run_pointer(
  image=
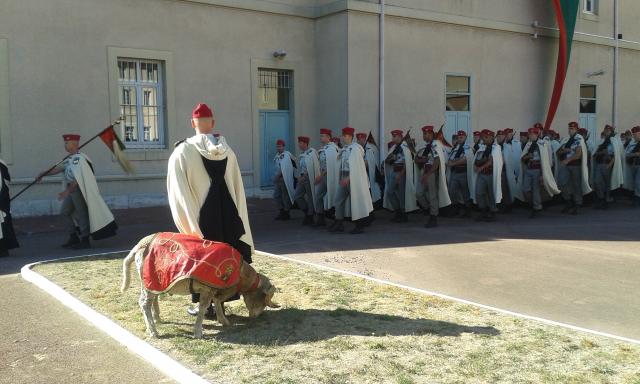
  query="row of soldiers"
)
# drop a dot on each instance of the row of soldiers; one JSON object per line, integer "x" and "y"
{"x": 491, "y": 172}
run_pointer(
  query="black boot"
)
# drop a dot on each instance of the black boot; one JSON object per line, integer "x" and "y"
{"x": 432, "y": 223}
{"x": 73, "y": 240}
{"x": 320, "y": 222}
{"x": 397, "y": 218}
{"x": 358, "y": 229}
{"x": 84, "y": 243}
{"x": 280, "y": 215}
{"x": 567, "y": 207}
{"x": 308, "y": 220}
{"x": 337, "y": 227}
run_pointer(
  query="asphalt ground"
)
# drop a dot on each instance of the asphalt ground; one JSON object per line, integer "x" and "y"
{"x": 582, "y": 270}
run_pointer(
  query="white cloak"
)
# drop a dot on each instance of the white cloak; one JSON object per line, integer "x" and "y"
{"x": 410, "y": 202}
{"x": 496, "y": 155}
{"x": 548, "y": 181}
{"x": 288, "y": 173}
{"x": 443, "y": 188}
{"x": 188, "y": 183}
{"x": 555, "y": 164}
{"x": 99, "y": 214}
{"x": 511, "y": 168}
{"x": 333, "y": 173}
{"x": 313, "y": 169}
{"x": 617, "y": 172}
{"x": 359, "y": 204}
{"x": 586, "y": 189}
{"x": 373, "y": 164}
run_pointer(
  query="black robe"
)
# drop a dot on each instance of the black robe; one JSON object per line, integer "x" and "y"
{"x": 8, "y": 240}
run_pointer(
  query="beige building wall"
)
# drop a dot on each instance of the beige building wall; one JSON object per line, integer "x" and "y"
{"x": 57, "y": 75}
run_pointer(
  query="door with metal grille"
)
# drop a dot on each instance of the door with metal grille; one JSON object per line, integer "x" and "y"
{"x": 274, "y": 106}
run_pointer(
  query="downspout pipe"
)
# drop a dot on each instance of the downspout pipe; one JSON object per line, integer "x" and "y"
{"x": 381, "y": 143}
{"x": 616, "y": 61}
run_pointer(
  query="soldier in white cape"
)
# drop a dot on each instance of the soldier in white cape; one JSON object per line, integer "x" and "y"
{"x": 460, "y": 175}
{"x": 205, "y": 190}
{"x": 607, "y": 166}
{"x": 308, "y": 168}
{"x": 488, "y": 176}
{"x": 512, "y": 151}
{"x": 82, "y": 205}
{"x": 632, "y": 166}
{"x": 400, "y": 190}
{"x": 573, "y": 176}
{"x": 372, "y": 159}
{"x": 535, "y": 168}
{"x": 283, "y": 180}
{"x": 430, "y": 176}
{"x": 353, "y": 198}
{"x": 326, "y": 181}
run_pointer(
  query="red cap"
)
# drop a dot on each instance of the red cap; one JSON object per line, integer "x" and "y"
{"x": 609, "y": 127}
{"x": 476, "y": 133}
{"x": 573, "y": 124}
{"x": 325, "y": 131}
{"x": 201, "y": 111}
{"x": 280, "y": 142}
{"x": 508, "y": 130}
{"x": 427, "y": 128}
{"x": 635, "y": 129}
{"x": 462, "y": 133}
{"x": 487, "y": 132}
{"x": 538, "y": 125}
{"x": 534, "y": 131}
{"x": 361, "y": 136}
{"x": 303, "y": 139}
{"x": 348, "y": 131}
{"x": 397, "y": 132}
{"x": 71, "y": 137}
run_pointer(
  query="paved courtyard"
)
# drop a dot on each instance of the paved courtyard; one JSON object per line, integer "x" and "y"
{"x": 581, "y": 270}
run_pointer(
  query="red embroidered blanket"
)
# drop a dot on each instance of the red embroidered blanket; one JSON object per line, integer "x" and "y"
{"x": 174, "y": 256}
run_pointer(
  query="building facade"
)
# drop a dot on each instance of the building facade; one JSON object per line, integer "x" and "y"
{"x": 279, "y": 69}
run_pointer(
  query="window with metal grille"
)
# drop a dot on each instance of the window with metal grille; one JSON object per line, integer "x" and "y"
{"x": 275, "y": 89}
{"x": 141, "y": 97}
{"x": 587, "y": 98}
{"x": 458, "y": 93}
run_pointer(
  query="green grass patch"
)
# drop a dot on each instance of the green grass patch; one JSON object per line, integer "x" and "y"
{"x": 334, "y": 328}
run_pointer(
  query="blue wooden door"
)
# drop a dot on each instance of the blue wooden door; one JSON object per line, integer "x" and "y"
{"x": 457, "y": 121}
{"x": 274, "y": 125}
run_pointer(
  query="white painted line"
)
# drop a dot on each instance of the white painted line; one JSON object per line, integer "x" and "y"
{"x": 155, "y": 357}
{"x": 443, "y": 296}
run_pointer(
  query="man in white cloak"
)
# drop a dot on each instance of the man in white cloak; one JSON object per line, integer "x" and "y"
{"x": 308, "y": 169}
{"x": 372, "y": 159}
{"x": 83, "y": 208}
{"x": 326, "y": 183}
{"x": 353, "y": 187}
{"x": 536, "y": 170}
{"x": 430, "y": 174}
{"x": 206, "y": 193}
{"x": 400, "y": 190}
{"x": 488, "y": 176}
{"x": 632, "y": 159}
{"x": 460, "y": 175}
{"x": 573, "y": 177}
{"x": 283, "y": 180}
{"x": 607, "y": 164}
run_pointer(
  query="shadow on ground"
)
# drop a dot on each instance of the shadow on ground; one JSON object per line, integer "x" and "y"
{"x": 292, "y": 326}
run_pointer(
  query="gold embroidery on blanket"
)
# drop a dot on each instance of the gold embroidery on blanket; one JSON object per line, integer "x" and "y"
{"x": 176, "y": 249}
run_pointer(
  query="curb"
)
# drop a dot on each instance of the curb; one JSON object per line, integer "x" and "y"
{"x": 164, "y": 363}
{"x": 447, "y": 297}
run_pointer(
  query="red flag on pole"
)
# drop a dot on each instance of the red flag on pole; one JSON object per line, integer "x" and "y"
{"x": 115, "y": 145}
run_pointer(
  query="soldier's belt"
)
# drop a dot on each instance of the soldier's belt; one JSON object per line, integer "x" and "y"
{"x": 459, "y": 169}
{"x": 534, "y": 164}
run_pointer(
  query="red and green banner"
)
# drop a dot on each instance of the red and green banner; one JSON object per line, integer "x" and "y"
{"x": 566, "y": 15}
